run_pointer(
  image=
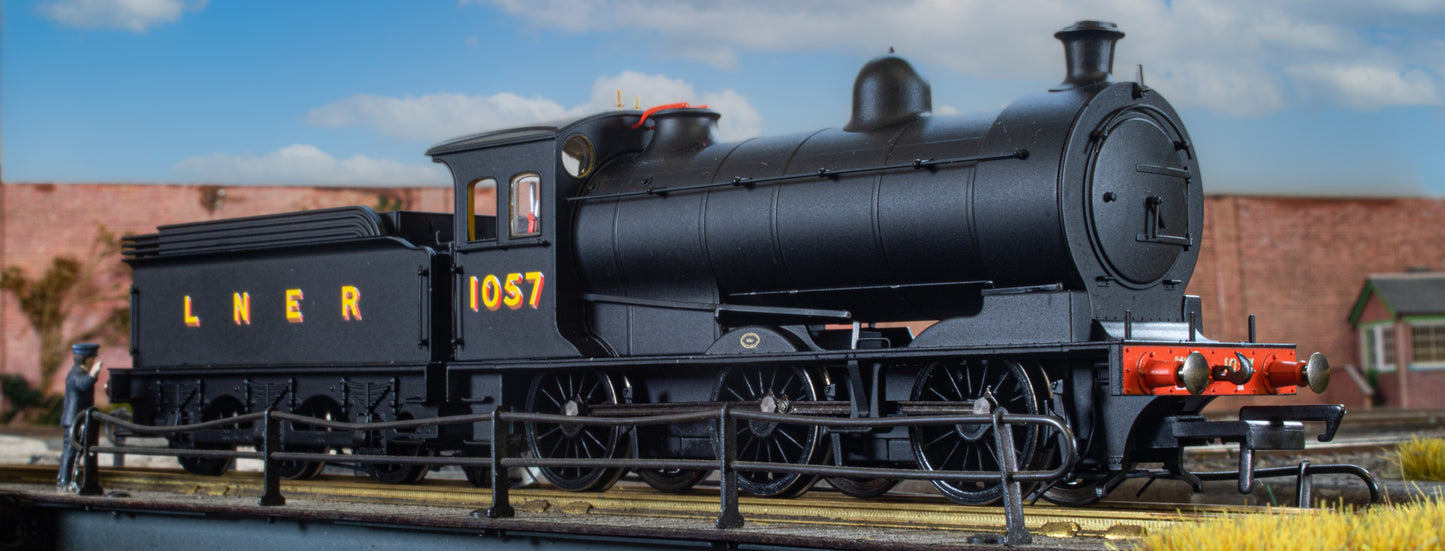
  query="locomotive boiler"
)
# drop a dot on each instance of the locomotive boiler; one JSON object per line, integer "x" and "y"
{"x": 638, "y": 265}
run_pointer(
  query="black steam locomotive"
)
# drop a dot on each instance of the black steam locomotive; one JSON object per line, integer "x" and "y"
{"x": 639, "y": 266}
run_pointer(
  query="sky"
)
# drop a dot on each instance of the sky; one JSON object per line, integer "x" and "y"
{"x": 1281, "y": 97}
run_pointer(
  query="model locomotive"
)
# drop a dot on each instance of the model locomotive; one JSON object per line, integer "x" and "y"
{"x": 637, "y": 265}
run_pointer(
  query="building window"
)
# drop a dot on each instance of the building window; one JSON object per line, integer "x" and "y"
{"x": 1378, "y": 345}
{"x": 526, "y": 205}
{"x": 1427, "y": 345}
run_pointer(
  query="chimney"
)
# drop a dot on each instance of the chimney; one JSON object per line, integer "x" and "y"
{"x": 1089, "y": 51}
{"x": 680, "y": 131}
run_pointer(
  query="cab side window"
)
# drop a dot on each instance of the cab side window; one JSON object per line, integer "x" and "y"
{"x": 526, "y": 211}
{"x": 481, "y": 226}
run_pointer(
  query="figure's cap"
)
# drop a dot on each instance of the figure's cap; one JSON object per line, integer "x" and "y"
{"x": 85, "y": 349}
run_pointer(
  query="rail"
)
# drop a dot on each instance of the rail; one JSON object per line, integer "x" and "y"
{"x": 269, "y": 436}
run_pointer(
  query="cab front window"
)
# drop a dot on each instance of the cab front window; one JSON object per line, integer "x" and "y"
{"x": 526, "y": 197}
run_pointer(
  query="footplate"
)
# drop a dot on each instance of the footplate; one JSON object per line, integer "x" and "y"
{"x": 1259, "y": 428}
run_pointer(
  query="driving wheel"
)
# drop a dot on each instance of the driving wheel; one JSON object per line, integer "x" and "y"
{"x": 573, "y": 393}
{"x": 773, "y": 390}
{"x": 972, "y": 447}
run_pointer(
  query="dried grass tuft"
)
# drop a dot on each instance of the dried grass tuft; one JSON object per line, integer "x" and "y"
{"x": 1416, "y": 525}
{"x": 1422, "y": 458}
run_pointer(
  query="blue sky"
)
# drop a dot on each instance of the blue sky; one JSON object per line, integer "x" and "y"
{"x": 1282, "y": 97}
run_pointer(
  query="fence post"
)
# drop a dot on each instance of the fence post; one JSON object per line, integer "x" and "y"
{"x": 1303, "y": 485}
{"x": 728, "y": 517}
{"x": 90, "y": 468}
{"x": 271, "y": 477}
{"x": 1017, "y": 532}
{"x": 501, "y": 506}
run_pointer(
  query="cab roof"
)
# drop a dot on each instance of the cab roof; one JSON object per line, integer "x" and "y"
{"x": 523, "y": 134}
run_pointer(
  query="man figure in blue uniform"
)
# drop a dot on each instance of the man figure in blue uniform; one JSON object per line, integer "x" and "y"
{"x": 79, "y": 395}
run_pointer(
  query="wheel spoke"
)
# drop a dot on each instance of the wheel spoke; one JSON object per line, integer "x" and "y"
{"x": 595, "y": 440}
{"x": 982, "y": 378}
{"x": 561, "y": 390}
{"x": 548, "y": 395}
{"x": 968, "y": 376}
{"x": 746, "y": 445}
{"x": 784, "y": 453}
{"x": 790, "y": 438}
{"x": 943, "y": 465}
{"x": 558, "y": 447}
{"x": 941, "y": 437}
{"x": 554, "y": 430}
{"x": 989, "y": 452}
{"x": 947, "y": 374}
{"x": 587, "y": 396}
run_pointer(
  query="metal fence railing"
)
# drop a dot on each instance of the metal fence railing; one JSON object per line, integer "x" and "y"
{"x": 268, "y": 438}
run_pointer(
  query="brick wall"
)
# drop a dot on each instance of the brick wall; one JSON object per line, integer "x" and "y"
{"x": 1297, "y": 263}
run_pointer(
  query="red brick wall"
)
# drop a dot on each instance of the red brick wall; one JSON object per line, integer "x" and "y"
{"x": 1297, "y": 263}
{"x": 1374, "y": 311}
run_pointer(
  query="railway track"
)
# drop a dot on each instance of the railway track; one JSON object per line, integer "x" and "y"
{"x": 818, "y": 510}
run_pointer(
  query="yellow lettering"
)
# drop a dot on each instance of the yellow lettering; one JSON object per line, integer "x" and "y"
{"x": 191, "y": 320}
{"x": 350, "y": 296}
{"x": 513, "y": 299}
{"x": 491, "y": 292}
{"x": 293, "y": 305}
{"x": 474, "y": 293}
{"x": 537, "y": 279}
{"x": 241, "y": 308}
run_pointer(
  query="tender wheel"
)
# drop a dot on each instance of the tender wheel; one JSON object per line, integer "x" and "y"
{"x": 1079, "y": 492}
{"x": 571, "y": 393}
{"x": 320, "y": 408}
{"x": 396, "y": 473}
{"x": 673, "y": 481}
{"x": 210, "y": 466}
{"x": 480, "y": 477}
{"x": 972, "y": 447}
{"x": 863, "y": 488}
{"x": 774, "y": 390}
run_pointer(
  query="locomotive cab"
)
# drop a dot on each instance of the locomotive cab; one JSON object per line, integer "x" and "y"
{"x": 513, "y": 276}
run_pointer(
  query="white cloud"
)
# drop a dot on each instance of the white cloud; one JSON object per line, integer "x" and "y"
{"x": 306, "y": 164}
{"x": 434, "y": 117}
{"x": 1367, "y": 87}
{"x": 1227, "y": 55}
{"x": 129, "y": 15}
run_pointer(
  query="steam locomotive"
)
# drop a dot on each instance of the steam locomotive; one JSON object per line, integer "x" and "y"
{"x": 638, "y": 265}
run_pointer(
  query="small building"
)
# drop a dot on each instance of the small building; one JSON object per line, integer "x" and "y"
{"x": 1400, "y": 319}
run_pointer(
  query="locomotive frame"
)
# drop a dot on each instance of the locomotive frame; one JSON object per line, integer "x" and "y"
{"x": 638, "y": 266}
